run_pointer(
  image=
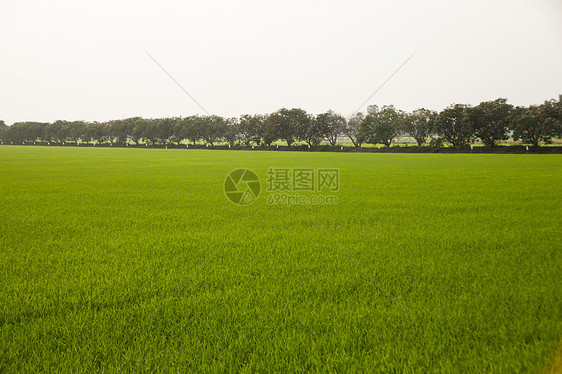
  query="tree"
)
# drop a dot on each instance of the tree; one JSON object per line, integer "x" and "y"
{"x": 351, "y": 128}
{"x": 15, "y": 133}
{"x": 454, "y": 126}
{"x": 121, "y": 130}
{"x": 558, "y": 114}
{"x": 252, "y": 128}
{"x": 30, "y": 131}
{"x": 163, "y": 130}
{"x": 180, "y": 130}
{"x": 290, "y": 124}
{"x": 533, "y": 125}
{"x": 140, "y": 128}
{"x": 551, "y": 111}
{"x": 316, "y": 131}
{"x": 193, "y": 128}
{"x": 114, "y": 131}
{"x": 57, "y": 131}
{"x": 214, "y": 129}
{"x": 76, "y": 131}
{"x": 25, "y": 132}
{"x": 131, "y": 123}
{"x": 151, "y": 134}
{"x": 381, "y": 127}
{"x": 372, "y": 109}
{"x": 3, "y": 130}
{"x": 491, "y": 120}
{"x": 269, "y": 133}
{"x": 232, "y": 132}
{"x": 95, "y": 132}
{"x": 419, "y": 124}
{"x": 332, "y": 126}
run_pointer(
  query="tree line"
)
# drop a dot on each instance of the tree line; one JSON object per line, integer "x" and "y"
{"x": 458, "y": 125}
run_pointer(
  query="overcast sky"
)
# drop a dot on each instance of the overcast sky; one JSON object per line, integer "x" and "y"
{"x": 72, "y": 59}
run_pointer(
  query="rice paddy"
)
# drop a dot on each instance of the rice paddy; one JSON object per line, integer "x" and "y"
{"x": 136, "y": 260}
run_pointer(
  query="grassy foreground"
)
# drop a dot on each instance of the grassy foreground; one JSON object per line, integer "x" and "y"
{"x": 134, "y": 260}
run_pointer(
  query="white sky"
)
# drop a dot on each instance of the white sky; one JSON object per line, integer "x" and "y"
{"x": 73, "y": 59}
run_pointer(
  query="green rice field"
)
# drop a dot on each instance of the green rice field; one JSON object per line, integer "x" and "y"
{"x": 134, "y": 260}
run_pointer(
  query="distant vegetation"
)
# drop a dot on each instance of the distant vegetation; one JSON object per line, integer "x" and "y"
{"x": 458, "y": 126}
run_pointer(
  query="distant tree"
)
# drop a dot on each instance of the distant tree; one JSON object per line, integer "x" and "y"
{"x": 180, "y": 130}
{"x": 194, "y": 127}
{"x": 252, "y": 128}
{"x": 419, "y": 124}
{"x": 381, "y": 127}
{"x": 3, "y": 130}
{"x": 290, "y": 124}
{"x": 38, "y": 130}
{"x": 174, "y": 136}
{"x": 87, "y": 137}
{"x": 165, "y": 129}
{"x": 120, "y": 131}
{"x": 332, "y": 125}
{"x": 491, "y": 120}
{"x": 372, "y": 109}
{"x": 454, "y": 126}
{"x": 95, "y": 132}
{"x": 316, "y": 131}
{"x": 25, "y": 132}
{"x": 14, "y": 134}
{"x": 351, "y": 129}
{"x": 140, "y": 129}
{"x": 244, "y": 127}
{"x": 534, "y": 125}
{"x": 558, "y": 116}
{"x": 268, "y": 133}
{"x": 57, "y": 131}
{"x": 111, "y": 130}
{"x": 551, "y": 111}
{"x": 115, "y": 131}
{"x": 129, "y": 124}
{"x": 214, "y": 129}
{"x": 151, "y": 134}
{"x": 232, "y": 131}
{"x": 76, "y": 131}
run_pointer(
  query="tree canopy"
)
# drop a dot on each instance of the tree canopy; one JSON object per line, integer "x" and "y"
{"x": 458, "y": 125}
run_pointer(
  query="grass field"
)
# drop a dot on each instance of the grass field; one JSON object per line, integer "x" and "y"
{"x": 134, "y": 260}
